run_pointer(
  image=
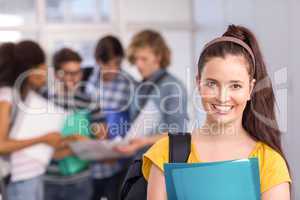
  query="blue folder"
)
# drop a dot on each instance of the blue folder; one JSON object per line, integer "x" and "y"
{"x": 234, "y": 180}
{"x": 117, "y": 122}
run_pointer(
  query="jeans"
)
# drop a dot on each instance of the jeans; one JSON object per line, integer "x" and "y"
{"x": 79, "y": 189}
{"x": 31, "y": 189}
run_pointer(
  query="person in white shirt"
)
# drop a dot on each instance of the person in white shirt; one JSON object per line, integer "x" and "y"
{"x": 24, "y": 58}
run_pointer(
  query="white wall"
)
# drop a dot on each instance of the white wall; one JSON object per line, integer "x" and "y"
{"x": 293, "y": 137}
{"x": 167, "y": 11}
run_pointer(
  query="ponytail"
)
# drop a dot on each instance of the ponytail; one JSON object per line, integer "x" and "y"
{"x": 259, "y": 117}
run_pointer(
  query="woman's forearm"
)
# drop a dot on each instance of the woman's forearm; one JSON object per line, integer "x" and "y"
{"x": 11, "y": 145}
{"x": 156, "y": 189}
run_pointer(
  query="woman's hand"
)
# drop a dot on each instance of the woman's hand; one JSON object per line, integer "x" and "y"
{"x": 62, "y": 153}
{"x": 75, "y": 138}
{"x": 64, "y": 149}
{"x": 133, "y": 146}
{"x": 53, "y": 139}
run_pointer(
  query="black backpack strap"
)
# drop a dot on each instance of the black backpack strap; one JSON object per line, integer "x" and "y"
{"x": 134, "y": 184}
{"x": 179, "y": 147}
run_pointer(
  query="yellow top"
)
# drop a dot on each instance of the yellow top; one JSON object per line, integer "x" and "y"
{"x": 272, "y": 167}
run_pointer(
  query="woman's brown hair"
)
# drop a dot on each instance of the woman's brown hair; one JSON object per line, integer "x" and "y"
{"x": 259, "y": 117}
{"x": 8, "y": 74}
{"x": 152, "y": 39}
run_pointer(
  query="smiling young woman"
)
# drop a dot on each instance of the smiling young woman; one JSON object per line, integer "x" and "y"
{"x": 238, "y": 98}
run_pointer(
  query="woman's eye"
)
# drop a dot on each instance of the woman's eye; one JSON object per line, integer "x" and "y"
{"x": 236, "y": 86}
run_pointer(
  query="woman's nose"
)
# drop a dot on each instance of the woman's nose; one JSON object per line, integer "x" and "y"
{"x": 223, "y": 95}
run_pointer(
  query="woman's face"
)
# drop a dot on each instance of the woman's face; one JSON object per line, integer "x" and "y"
{"x": 37, "y": 77}
{"x": 225, "y": 87}
{"x": 146, "y": 61}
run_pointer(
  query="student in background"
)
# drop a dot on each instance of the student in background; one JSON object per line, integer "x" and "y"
{"x": 149, "y": 52}
{"x": 238, "y": 98}
{"x": 113, "y": 89}
{"x": 15, "y": 60}
{"x": 66, "y": 92}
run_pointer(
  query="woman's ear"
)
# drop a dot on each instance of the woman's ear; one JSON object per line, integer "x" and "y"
{"x": 252, "y": 85}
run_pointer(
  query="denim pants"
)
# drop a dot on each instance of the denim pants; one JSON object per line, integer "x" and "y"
{"x": 31, "y": 189}
{"x": 79, "y": 189}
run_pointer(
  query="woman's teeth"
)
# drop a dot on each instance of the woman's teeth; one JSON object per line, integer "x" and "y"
{"x": 222, "y": 109}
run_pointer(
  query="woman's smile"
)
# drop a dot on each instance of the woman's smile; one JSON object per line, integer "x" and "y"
{"x": 221, "y": 109}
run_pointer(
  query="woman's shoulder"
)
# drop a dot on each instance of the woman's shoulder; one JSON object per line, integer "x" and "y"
{"x": 273, "y": 167}
{"x": 266, "y": 153}
{"x": 268, "y": 156}
{"x": 158, "y": 154}
{"x": 160, "y": 148}
{"x": 6, "y": 94}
